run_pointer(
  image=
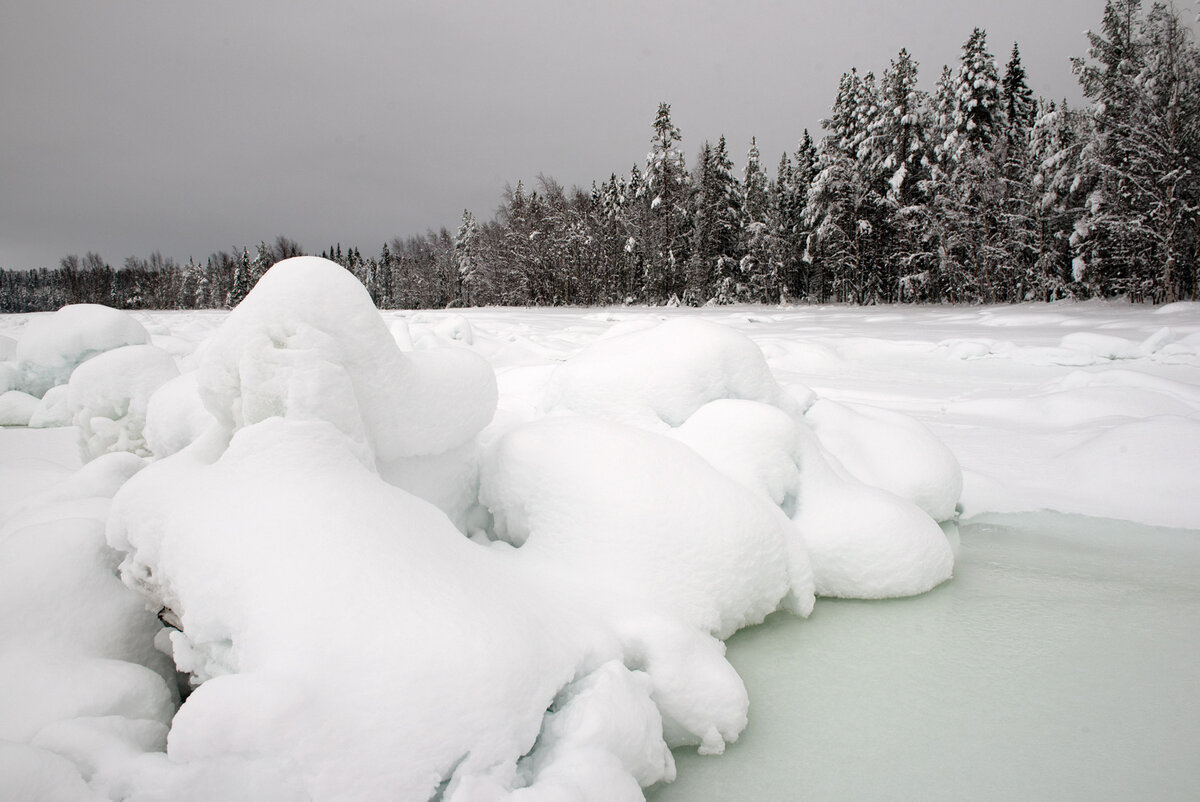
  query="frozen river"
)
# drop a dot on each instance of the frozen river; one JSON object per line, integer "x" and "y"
{"x": 1060, "y": 663}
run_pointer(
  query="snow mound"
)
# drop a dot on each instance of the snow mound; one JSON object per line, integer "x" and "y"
{"x": 52, "y": 346}
{"x": 279, "y": 590}
{"x": 109, "y": 395}
{"x": 863, "y": 542}
{"x": 16, "y": 408}
{"x": 661, "y": 375}
{"x": 645, "y": 519}
{"x": 175, "y": 416}
{"x": 54, "y": 409}
{"x": 308, "y": 344}
{"x": 891, "y": 451}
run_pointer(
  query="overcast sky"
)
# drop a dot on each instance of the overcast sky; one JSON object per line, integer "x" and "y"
{"x": 189, "y": 127}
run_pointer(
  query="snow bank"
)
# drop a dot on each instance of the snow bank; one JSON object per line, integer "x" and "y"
{"x": 52, "y": 346}
{"x": 109, "y": 395}
{"x": 1142, "y": 470}
{"x": 661, "y": 375}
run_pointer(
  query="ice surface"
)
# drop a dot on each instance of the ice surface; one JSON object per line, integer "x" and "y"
{"x": 1061, "y": 657}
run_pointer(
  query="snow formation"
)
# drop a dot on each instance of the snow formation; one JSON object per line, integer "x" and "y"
{"x": 52, "y": 346}
{"x": 380, "y": 589}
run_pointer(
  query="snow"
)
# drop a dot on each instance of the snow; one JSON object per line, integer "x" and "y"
{"x": 662, "y": 374}
{"x": 16, "y": 408}
{"x": 51, "y": 346}
{"x": 493, "y": 554}
{"x": 109, "y": 394}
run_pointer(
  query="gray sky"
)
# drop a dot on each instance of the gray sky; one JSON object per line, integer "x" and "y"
{"x": 188, "y": 127}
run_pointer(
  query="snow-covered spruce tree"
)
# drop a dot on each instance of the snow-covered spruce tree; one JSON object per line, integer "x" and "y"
{"x": 901, "y": 156}
{"x": 971, "y": 193}
{"x": 793, "y": 227}
{"x": 761, "y": 265}
{"x": 713, "y": 267}
{"x": 465, "y": 263}
{"x": 1138, "y": 234}
{"x": 846, "y": 208}
{"x": 667, "y": 189}
{"x": 1058, "y": 135}
{"x": 1019, "y": 217}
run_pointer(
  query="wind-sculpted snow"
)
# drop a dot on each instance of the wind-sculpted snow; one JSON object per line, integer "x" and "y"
{"x": 379, "y": 589}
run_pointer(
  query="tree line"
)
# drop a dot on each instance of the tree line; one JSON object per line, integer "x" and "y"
{"x": 976, "y": 192}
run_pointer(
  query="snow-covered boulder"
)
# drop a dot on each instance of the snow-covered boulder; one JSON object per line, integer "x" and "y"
{"x": 109, "y": 395}
{"x": 52, "y": 346}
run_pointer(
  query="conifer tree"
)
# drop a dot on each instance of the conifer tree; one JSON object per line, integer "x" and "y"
{"x": 666, "y": 187}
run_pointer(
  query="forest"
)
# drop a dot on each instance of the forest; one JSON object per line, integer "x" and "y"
{"x": 974, "y": 192}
